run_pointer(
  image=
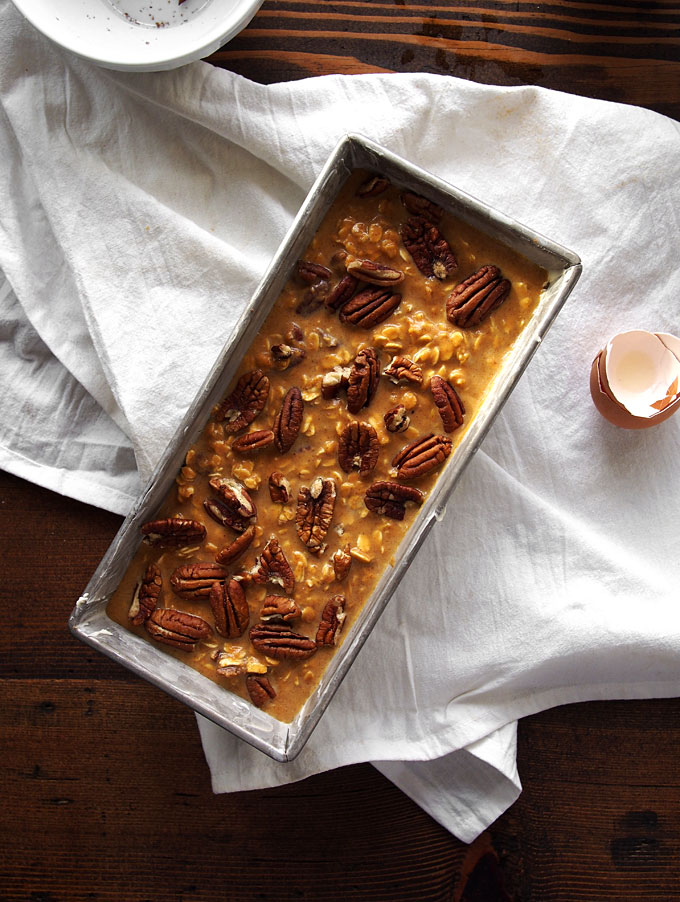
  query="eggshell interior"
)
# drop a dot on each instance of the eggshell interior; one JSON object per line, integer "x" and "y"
{"x": 635, "y": 379}
{"x": 642, "y": 372}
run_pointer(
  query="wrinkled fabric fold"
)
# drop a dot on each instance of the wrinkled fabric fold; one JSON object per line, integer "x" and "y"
{"x": 139, "y": 213}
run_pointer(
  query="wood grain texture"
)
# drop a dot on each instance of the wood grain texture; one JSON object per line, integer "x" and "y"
{"x": 626, "y": 52}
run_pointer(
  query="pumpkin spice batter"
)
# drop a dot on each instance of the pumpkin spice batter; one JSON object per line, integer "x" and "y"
{"x": 388, "y": 276}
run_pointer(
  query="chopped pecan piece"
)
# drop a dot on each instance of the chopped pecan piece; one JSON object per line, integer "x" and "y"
{"x": 363, "y": 380}
{"x": 173, "y": 532}
{"x": 246, "y": 401}
{"x": 421, "y": 456}
{"x": 332, "y": 621}
{"x": 288, "y": 420}
{"x": 273, "y": 567}
{"x": 477, "y": 297}
{"x": 449, "y": 405}
{"x": 279, "y": 488}
{"x": 252, "y": 442}
{"x": 285, "y": 356}
{"x": 312, "y": 272}
{"x": 277, "y": 640}
{"x": 232, "y": 661}
{"x": 234, "y": 507}
{"x": 358, "y": 448}
{"x": 403, "y": 369}
{"x": 373, "y": 186}
{"x": 295, "y": 335}
{"x": 430, "y": 250}
{"x": 370, "y": 307}
{"x": 313, "y": 297}
{"x": 146, "y": 595}
{"x": 390, "y": 499}
{"x": 259, "y": 689}
{"x": 194, "y": 581}
{"x": 177, "y": 628}
{"x": 334, "y": 382}
{"x": 279, "y": 609}
{"x": 396, "y": 419}
{"x": 342, "y": 561}
{"x": 342, "y": 292}
{"x": 338, "y": 258}
{"x": 314, "y": 513}
{"x": 202, "y": 461}
{"x": 421, "y": 206}
{"x": 230, "y": 608}
{"x": 233, "y": 551}
{"x": 375, "y": 273}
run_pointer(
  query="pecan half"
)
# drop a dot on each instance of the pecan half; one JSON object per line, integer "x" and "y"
{"x": 332, "y": 621}
{"x": 278, "y": 641}
{"x": 358, "y": 448}
{"x": 313, "y": 297}
{"x": 285, "y": 356}
{"x": 396, "y": 419}
{"x": 177, "y": 628}
{"x": 194, "y": 581}
{"x": 279, "y": 609}
{"x": 390, "y": 499}
{"x": 279, "y": 488}
{"x": 375, "y": 273}
{"x": 246, "y": 401}
{"x": 273, "y": 567}
{"x": 342, "y": 561}
{"x": 431, "y": 252}
{"x": 230, "y": 608}
{"x": 314, "y": 513}
{"x": 259, "y": 689}
{"x": 363, "y": 380}
{"x": 342, "y": 292}
{"x": 334, "y": 382}
{"x": 234, "y": 550}
{"x": 288, "y": 420}
{"x": 421, "y": 456}
{"x": 234, "y": 507}
{"x": 449, "y": 405}
{"x": 173, "y": 532}
{"x": 421, "y": 206}
{"x": 370, "y": 307}
{"x": 403, "y": 369}
{"x": 145, "y": 596}
{"x": 311, "y": 272}
{"x": 373, "y": 186}
{"x": 252, "y": 442}
{"x": 477, "y": 297}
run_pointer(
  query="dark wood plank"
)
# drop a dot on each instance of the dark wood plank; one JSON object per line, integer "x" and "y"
{"x": 52, "y": 545}
{"x": 137, "y": 797}
{"x": 121, "y": 768}
{"x": 627, "y": 52}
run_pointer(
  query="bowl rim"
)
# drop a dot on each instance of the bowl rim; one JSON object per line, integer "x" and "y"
{"x": 157, "y": 58}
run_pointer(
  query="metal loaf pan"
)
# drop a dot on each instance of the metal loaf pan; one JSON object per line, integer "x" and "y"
{"x": 89, "y": 620}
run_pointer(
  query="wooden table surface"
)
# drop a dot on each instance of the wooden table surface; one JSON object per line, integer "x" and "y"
{"x": 105, "y": 792}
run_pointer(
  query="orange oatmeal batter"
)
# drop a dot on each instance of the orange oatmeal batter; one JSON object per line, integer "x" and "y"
{"x": 304, "y": 344}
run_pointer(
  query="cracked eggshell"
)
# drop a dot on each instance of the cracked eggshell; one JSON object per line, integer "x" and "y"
{"x": 635, "y": 379}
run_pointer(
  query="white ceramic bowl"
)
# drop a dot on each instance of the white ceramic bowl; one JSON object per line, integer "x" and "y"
{"x": 139, "y": 35}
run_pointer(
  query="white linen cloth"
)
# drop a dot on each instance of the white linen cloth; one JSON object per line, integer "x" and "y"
{"x": 138, "y": 213}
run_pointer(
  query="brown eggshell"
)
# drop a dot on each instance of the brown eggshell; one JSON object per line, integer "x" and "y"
{"x": 611, "y": 409}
